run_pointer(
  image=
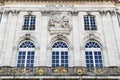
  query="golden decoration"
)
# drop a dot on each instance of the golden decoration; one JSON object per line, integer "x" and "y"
{"x": 1, "y": 70}
{"x": 41, "y": 71}
{"x": 79, "y": 71}
{"x": 99, "y": 71}
{"x": 60, "y": 70}
{"x": 118, "y": 70}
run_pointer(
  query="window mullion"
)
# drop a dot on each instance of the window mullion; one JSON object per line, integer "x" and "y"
{"x": 60, "y": 58}
{"x": 29, "y": 22}
{"x": 93, "y": 57}
{"x": 25, "y": 58}
{"x": 89, "y": 23}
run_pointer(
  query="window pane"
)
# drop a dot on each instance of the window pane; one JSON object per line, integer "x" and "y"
{"x": 29, "y": 23}
{"x": 89, "y": 22}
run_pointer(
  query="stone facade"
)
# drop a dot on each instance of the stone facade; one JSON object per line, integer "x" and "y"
{"x": 60, "y": 21}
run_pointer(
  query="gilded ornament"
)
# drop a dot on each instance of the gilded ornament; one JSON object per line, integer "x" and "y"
{"x": 118, "y": 70}
{"x": 79, "y": 71}
{"x": 60, "y": 70}
{"x": 41, "y": 71}
{"x": 1, "y": 70}
{"x": 99, "y": 71}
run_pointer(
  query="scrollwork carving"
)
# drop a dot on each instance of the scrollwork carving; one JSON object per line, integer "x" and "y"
{"x": 60, "y": 70}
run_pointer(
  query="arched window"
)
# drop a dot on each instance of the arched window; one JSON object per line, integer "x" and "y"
{"x": 59, "y": 54}
{"x": 93, "y": 54}
{"x": 26, "y": 54}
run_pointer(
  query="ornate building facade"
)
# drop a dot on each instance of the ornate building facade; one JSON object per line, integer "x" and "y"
{"x": 59, "y": 40}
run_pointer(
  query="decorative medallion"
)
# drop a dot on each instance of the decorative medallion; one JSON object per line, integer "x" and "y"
{"x": 41, "y": 71}
{"x": 79, "y": 71}
{"x": 60, "y": 70}
{"x": 1, "y": 70}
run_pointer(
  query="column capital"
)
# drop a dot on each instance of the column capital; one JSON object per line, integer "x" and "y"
{"x": 13, "y": 12}
{"x": 45, "y": 13}
{"x": 103, "y": 12}
{"x": 74, "y": 13}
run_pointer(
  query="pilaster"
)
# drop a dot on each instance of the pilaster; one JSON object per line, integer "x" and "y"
{"x": 2, "y": 33}
{"x": 109, "y": 38}
{"x": 9, "y": 37}
{"x": 12, "y": 33}
{"x": 6, "y": 40}
{"x": 75, "y": 40}
{"x": 116, "y": 30}
{"x": 43, "y": 41}
{"x": 81, "y": 38}
{"x": 38, "y": 38}
{"x": 102, "y": 36}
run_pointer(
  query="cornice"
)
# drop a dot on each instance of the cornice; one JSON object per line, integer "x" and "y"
{"x": 60, "y": 1}
{"x": 116, "y": 2}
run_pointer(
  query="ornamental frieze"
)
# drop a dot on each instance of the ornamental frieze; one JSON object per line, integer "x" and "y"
{"x": 41, "y": 71}
{"x": 60, "y": 70}
{"x": 59, "y": 22}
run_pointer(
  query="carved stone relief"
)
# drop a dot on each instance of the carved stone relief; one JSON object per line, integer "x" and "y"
{"x": 59, "y": 22}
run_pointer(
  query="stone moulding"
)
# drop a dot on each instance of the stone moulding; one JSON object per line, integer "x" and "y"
{"x": 60, "y": 0}
{"x": 62, "y": 31}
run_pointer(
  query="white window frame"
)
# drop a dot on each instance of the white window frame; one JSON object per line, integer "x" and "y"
{"x": 29, "y": 27}
{"x": 60, "y": 50}
{"x": 26, "y": 50}
{"x": 93, "y": 55}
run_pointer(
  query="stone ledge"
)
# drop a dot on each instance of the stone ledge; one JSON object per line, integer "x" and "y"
{"x": 60, "y": 0}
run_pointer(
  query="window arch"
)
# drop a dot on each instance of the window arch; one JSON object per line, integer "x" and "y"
{"x": 26, "y": 54}
{"x": 93, "y": 54}
{"x": 59, "y": 54}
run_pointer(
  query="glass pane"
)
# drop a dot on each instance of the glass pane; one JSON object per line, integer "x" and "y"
{"x": 27, "y": 44}
{"x": 64, "y": 58}
{"x": 98, "y": 58}
{"x": 59, "y": 45}
{"x": 89, "y": 59}
{"x": 30, "y": 59}
{"x": 92, "y": 44}
{"x": 21, "y": 59}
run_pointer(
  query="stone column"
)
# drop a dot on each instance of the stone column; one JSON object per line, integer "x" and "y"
{"x": 13, "y": 33}
{"x": 75, "y": 56}
{"x": 2, "y": 34}
{"x": 37, "y": 35}
{"x": 81, "y": 35}
{"x": 109, "y": 38}
{"x": 112, "y": 45}
{"x": 101, "y": 26}
{"x": 43, "y": 41}
{"x": 116, "y": 30}
{"x": 6, "y": 54}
